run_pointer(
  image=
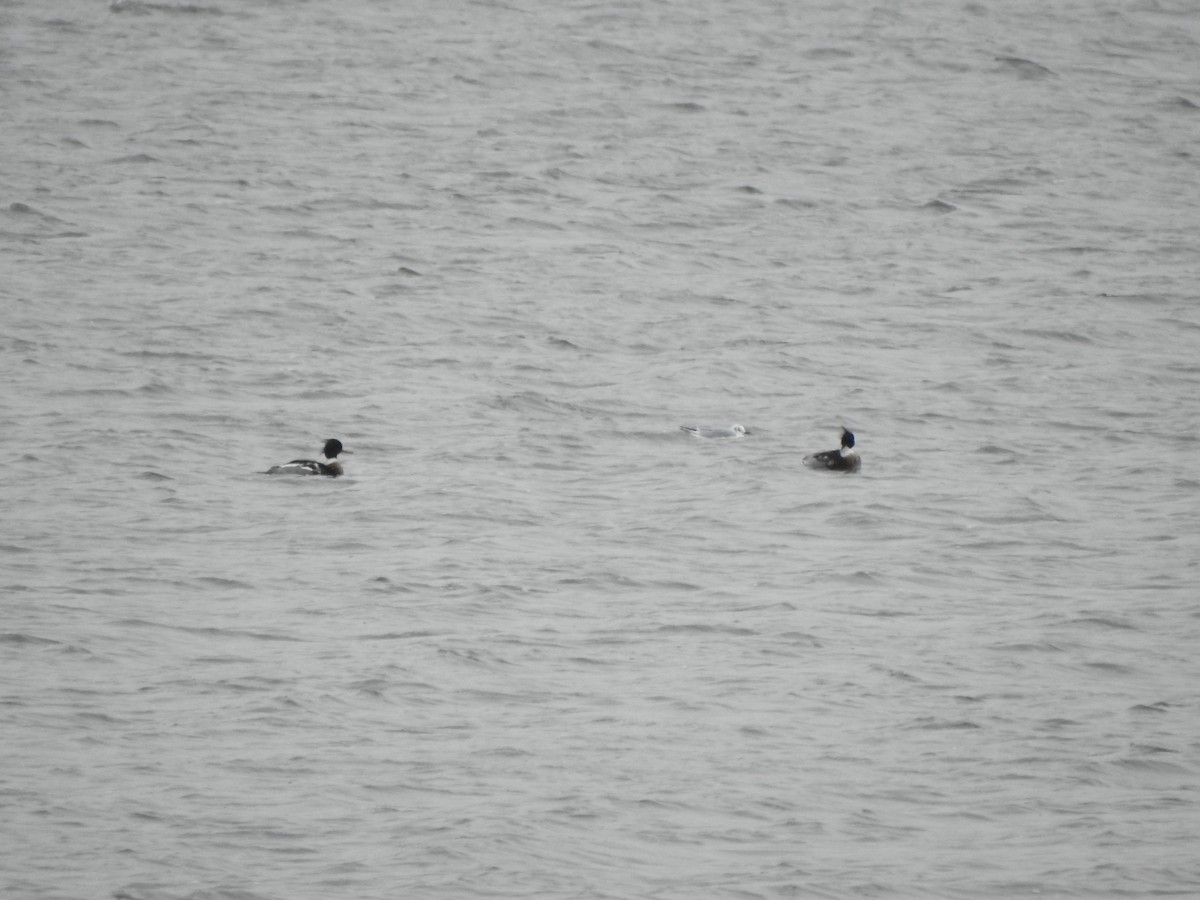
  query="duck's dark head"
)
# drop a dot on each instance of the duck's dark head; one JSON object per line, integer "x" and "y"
{"x": 333, "y": 447}
{"x": 847, "y": 438}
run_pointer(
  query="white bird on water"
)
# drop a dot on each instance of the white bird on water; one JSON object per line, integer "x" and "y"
{"x": 717, "y": 432}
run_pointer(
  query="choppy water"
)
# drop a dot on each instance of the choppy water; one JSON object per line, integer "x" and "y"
{"x": 538, "y": 642}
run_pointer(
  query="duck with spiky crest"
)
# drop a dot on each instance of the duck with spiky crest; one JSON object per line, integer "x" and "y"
{"x": 844, "y": 459}
{"x": 332, "y": 467}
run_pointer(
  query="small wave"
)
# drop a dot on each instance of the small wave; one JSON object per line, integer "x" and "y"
{"x": 143, "y": 7}
{"x": 26, "y": 640}
{"x": 702, "y": 628}
{"x": 137, "y": 158}
{"x": 1071, "y": 337}
{"x": 897, "y": 674}
{"x": 1114, "y": 668}
{"x": 1029, "y": 647}
{"x": 1148, "y": 749}
{"x": 1160, "y": 707}
{"x": 828, "y": 53}
{"x": 1058, "y": 723}
{"x": 535, "y": 224}
{"x": 533, "y": 401}
{"x": 398, "y": 636}
{"x": 1158, "y": 766}
{"x": 1026, "y": 68}
{"x": 1156, "y": 299}
{"x": 796, "y": 203}
{"x": 1102, "y": 622}
{"x": 930, "y": 724}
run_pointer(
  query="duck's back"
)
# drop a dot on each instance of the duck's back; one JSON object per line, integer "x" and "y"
{"x": 299, "y": 467}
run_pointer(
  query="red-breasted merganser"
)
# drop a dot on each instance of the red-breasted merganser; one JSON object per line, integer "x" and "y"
{"x": 333, "y": 468}
{"x": 845, "y": 459}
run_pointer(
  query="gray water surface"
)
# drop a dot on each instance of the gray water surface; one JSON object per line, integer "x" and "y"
{"x": 538, "y": 642}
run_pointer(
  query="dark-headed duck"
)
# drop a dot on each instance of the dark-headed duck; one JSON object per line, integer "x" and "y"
{"x": 844, "y": 459}
{"x": 332, "y": 468}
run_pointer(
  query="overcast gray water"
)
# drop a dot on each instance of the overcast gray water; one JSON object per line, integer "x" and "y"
{"x": 538, "y": 642}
